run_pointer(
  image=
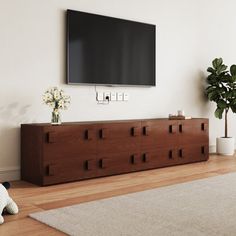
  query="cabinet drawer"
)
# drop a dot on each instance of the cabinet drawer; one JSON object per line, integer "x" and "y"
{"x": 157, "y": 158}
{"x": 115, "y": 163}
{"x": 198, "y": 152}
{"x": 167, "y": 156}
{"x": 60, "y": 171}
{"x": 119, "y": 137}
{"x": 158, "y": 133}
{"x": 62, "y": 141}
{"x": 193, "y": 131}
{"x": 148, "y": 159}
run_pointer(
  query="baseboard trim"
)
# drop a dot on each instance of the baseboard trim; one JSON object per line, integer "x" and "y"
{"x": 9, "y": 174}
{"x": 212, "y": 149}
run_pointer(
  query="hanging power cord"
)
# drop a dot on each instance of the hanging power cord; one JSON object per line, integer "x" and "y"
{"x": 106, "y": 102}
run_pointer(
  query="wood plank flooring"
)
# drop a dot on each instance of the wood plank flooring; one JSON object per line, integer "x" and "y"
{"x": 31, "y": 198}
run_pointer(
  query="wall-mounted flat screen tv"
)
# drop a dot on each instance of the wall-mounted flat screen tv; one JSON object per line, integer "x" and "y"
{"x": 104, "y": 50}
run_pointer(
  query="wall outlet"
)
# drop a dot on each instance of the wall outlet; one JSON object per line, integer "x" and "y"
{"x": 119, "y": 96}
{"x": 113, "y": 96}
{"x": 126, "y": 97}
{"x": 107, "y": 96}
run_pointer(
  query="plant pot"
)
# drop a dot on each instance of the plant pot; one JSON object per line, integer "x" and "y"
{"x": 225, "y": 146}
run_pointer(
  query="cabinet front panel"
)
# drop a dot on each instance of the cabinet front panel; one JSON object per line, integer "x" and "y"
{"x": 116, "y": 163}
{"x": 59, "y": 171}
{"x": 159, "y": 133}
{"x": 197, "y": 152}
{"x": 119, "y": 137}
{"x": 76, "y": 151}
{"x": 63, "y": 141}
{"x": 193, "y": 131}
{"x": 154, "y": 158}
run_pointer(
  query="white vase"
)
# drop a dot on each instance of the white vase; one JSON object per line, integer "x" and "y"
{"x": 225, "y": 146}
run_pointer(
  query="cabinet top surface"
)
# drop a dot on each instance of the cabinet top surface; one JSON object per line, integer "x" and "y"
{"x": 111, "y": 121}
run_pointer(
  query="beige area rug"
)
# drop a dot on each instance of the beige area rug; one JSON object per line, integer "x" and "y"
{"x": 202, "y": 207}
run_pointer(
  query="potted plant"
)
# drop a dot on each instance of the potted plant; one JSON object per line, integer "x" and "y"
{"x": 222, "y": 90}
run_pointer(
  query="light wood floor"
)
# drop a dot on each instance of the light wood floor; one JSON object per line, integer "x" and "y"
{"x": 31, "y": 198}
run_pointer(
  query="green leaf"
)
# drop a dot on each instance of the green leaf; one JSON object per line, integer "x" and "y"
{"x": 233, "y": 78}
{"x": 222, "y": 104}
{"x": 211, "y": 79}
{"x": 225, "y": 78}
{"x": 217, "y": 62}
{"x": 213, "y": 96}
{"x": 233, "y": 108}
{"x": 211, "y": 70}
{"x": 233, "y": 70}
{"x": 221, "y": 69}
{"x": 210, "y": 89}
{"x": 219, "y": 112}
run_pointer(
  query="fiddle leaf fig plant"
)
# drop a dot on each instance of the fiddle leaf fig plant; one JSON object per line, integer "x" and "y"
{"x": 221, "y": 89}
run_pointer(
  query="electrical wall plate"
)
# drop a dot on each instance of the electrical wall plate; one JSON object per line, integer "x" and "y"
{"x": 113, "y": 96}
{"x": 99, "y": 96}
{"x": 107, "y": 95}
{"x": 119, "y": 96}
{"x": 126, "y": 97}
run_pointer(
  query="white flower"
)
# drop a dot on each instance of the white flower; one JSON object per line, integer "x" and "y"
{"x": 56, "y": 95}
{"x": 52, "y": 104}
{"x": 56, "y": 99}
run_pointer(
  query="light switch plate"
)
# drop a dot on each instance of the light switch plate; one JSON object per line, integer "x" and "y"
{"x": 119, "y": 96}
{"x": 99, "y": 96}
{"x": 113, "y": 96}
{"x": 126, "y": 97}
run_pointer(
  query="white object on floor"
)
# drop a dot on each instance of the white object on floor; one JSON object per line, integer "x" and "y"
{"x": 7, "y": 203}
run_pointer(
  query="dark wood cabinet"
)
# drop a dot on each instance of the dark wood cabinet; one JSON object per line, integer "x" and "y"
{"x": 76, "y": 151}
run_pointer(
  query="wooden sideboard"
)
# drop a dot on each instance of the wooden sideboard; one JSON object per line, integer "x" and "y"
{"x": 76, "y": 151}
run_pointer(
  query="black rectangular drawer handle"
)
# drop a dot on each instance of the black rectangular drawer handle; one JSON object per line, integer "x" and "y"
{"x": 146, "y": 130}
{"x": 181, "y": 128}
{"x": 204, "y": 126}
{"x": 103, "y": 133}
{"x": 172, "y": 129}
{"x": 202, "y": 149}
{"x": 103, "y": 163}
{"x": 88, "y": 164}
{"x": 134, "y": 158}
{"x": 134, "y": 131}
{"x": 181, "y": 154}
{"x": 88, "y": 134}
{"x": 171, "y": 156}
{"x": 145, "y": 157}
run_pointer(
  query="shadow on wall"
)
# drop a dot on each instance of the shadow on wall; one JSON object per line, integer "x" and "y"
{"x": 14, "y": 113}
{"x": 9, "y": 146}
{"x": 201, "y": 85}
{"x": 11, "y": 116}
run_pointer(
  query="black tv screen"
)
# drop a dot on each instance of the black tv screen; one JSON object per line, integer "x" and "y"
{"x": 104, "y": 50}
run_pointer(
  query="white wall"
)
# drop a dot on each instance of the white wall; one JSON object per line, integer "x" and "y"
{"x": 190, "y": 33}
